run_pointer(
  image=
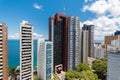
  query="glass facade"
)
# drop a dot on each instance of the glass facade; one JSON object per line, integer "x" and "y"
{"x": 48, "y": 61}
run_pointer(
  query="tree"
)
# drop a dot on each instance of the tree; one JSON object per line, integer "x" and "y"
{"x": 72, "y": 75}
{"x": 82, "y": 72}
{"x": 100, "y": 67}
{"x": 82, "y": 67}
{"x": 12, "y": 73}
{"x": 88, "y": 75}
{"x": 83, "y": 75}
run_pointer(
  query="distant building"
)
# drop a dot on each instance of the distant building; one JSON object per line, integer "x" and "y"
{"x": 113, "y": 69}
{"x": 26, "y": 51}
{"x": 84, "y": 46}
{"x": 117, "y": 33}
{"x": 99, "y": 51}
{"x": 108, "y": 39}
{"x": 3, "y": 52}
{"x": 90, "y": 29}
{"x": 58, "y": 33}
{"x": 74, "y": 41}
{"x": 115, "y": 43}
{"x": 44, "y": 59}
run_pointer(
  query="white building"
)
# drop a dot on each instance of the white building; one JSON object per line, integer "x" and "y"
{"x": 3, "y": 52}
{"x": 26, "y": 51}
{"x": 74, "y": 41}
{"x": 99, "y": 51}
{"x": 44, "y": 59}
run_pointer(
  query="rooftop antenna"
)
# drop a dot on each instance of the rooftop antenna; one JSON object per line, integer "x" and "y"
{"x": 64, "y": 8}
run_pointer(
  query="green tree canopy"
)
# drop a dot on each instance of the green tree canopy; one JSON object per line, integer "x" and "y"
{"x": 83, "y": 75}
{"x": 72, "y": 75}
{"x": 82, "y": 67}
{"x": 88, "y": 75}
{"x": 11, "y": 70}
{"x": 100, "y": 67}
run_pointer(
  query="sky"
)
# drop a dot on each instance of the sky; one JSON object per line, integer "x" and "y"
{"x": 103, "y": 14}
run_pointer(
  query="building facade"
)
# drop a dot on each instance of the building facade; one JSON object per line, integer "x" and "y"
{"x": 44, "y": 59}
{"x": 3, "y": 52}
{"x": 74, "y": 41}
{"x": 60, "y": 41}
{"x": 108, "y": 39}
{"x": 90, "y": 29}
{"x": 113, "y": 69}
{"x": 26, "y": 51}
{"x": 99, "y": 51}
{"x": 84, "y": 46}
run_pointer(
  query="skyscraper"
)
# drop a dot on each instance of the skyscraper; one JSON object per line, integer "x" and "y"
{"x": 60, "y": 43}
{"x": 44, "y": 59}
{"x": 84, "y": 46}
{"x": 74, "y": 41}
{"x": 26, "y": 51}
{"x": 3, "y": 52}
{"x": 90, "y": 29}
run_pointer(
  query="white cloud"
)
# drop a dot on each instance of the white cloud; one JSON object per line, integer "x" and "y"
{"x": 16, "y": 36}
{"x": 103, "y": 7}
{"x": 36, "y": 36}
{"x": 104, "y": 26}
{"x": 107, "y": 19}
{"x": 37, "y": 6}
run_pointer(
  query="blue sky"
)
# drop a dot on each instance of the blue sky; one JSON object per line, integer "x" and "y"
{"x": 37, "y": 12}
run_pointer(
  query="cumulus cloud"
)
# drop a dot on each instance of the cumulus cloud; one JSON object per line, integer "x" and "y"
{"x": 35, "y": 35}
{"x": 17, "y": 36}
{"x": 37, "y": 6}
{"x": 101, "y": 7}
{"x": 104, "y": 26}
{"x": 107, "y": 19}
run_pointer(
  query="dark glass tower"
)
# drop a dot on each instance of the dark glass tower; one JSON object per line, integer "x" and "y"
{"x": 58, "y": 33}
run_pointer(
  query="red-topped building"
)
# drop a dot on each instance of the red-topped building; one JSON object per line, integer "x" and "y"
{"x": 58, "y": 33}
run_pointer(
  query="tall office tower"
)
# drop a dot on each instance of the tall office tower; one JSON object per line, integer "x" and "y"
{"x": 51, "y": 29}
{"x": 60, "y": 41}
{"x": 44, "y": 59}
{"x": 26, "y": 51}
{"x": 90, "y": 29}
{"x": 113, "y": 65}
{"x": 74, "y": 41}
{"x": 84, "y": 46}
{"x": 3, "y": 52}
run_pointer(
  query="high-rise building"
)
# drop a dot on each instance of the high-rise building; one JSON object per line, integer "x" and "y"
{"x": 60, "y": 40}
{"x": 84, "y": 46}
{"x": 90, "y": 29}
{"x": 51, "y": 29}
{"x": 44, "y": 59}
{"x": 26, "y": 51}
{"x": 3, "y": 52}
{"x": 74, "y": 41}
